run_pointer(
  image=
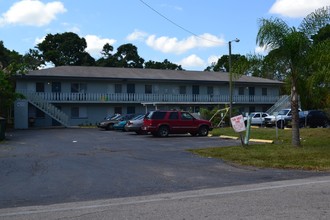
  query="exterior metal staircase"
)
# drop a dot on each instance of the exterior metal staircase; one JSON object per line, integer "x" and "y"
{"x": 48, "y": 108}
{"x": 283, "y": 102}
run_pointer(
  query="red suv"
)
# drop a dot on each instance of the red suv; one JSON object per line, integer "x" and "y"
{"x": 163, "y": 123}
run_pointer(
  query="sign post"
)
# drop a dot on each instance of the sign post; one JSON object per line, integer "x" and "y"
{"x": 238, "y": 125}
{"x": 276, "y": 128}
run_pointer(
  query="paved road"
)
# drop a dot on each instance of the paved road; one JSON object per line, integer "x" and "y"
{"x": 291, "y": 199}
{"x": 40, "y": 167}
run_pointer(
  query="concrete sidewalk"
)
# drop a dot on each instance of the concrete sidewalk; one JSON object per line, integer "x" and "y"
{"x": 291, "y": 199}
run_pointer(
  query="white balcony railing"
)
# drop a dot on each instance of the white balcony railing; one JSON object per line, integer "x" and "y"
{"x": 141, "y": 98}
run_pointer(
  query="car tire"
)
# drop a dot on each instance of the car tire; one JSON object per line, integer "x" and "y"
{"x": 110, "y": 127}
{"x": 203, "y": 131}
{"x": 163, "y": 131}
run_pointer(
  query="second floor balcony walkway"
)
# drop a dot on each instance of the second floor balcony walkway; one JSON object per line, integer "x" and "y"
{"x": 143, "y": 98}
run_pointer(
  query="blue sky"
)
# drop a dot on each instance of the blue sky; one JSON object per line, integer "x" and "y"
{"x": 194, "y": 33}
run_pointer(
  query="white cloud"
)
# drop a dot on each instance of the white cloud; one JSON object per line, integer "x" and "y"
{"x": 173, "y": 45}
{"x": 32, "y": 13}
{"x": 192, "y": 61}
{"x": 95, "y": 44}
{"x": 297, "y": 8}
{"x": 136, "y": 35}
{"x": 71, "y": 28}
{"x": 261, "y": 50}
{"x": 39, "y": 40}
{"x": 175, "y": 7}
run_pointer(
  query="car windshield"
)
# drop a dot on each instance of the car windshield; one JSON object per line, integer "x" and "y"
{"x": 111, "y": 117}
{"x": 283, "y": 112}
{"x": 138, "y": 117}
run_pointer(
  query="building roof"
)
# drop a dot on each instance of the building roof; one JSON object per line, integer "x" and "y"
{"x": 112, "y": 73}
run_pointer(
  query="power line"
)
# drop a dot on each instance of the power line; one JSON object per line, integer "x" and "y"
{"x": 174, "y": 23}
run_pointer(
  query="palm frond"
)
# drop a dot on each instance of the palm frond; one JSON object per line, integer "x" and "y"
{"x": 271, "y": 33}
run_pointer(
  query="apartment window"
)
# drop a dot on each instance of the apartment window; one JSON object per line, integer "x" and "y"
{"x": 78, "y": 112}
{"x": 183, "y": 90}
{"x": 210, "y": 90}
{"x": 40, "y": 87}
{"x": 118, "y": 88}
{"x": 148, "y": 89}
{"x": 264, "y": 91}
{"x": 240, "y": 90}
{"x": 78, "y": 87}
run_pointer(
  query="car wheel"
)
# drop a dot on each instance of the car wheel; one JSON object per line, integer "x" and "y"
{"x": 326, "y": 124}
{"x": 110, "y": 127}
{"x": 203, "y": 131}
{"x": 163, "y": 131}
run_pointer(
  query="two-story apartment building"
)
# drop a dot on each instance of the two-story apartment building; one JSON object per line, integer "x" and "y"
{"x": 77, "y": 95}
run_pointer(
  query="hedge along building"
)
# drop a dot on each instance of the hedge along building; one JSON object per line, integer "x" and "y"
{"x": 78, "y": 95}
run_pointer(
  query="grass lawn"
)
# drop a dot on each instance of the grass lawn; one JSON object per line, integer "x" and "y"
{"x": 314, "y": 154}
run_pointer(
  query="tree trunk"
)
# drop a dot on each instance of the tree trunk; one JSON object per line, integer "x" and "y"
{"x": 295, "y": 115}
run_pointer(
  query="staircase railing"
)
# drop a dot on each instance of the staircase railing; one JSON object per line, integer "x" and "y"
{"x": 48, "y": 108}
{"x": 283, "y": 102}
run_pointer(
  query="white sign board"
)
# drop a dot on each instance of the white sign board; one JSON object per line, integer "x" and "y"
{"x": 238, "y": 123}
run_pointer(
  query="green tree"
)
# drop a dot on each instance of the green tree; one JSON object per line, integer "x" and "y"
{"x": 290, "y": 47}
{"x": 108, "y": 60}
{"x": 166, "y": 65}
{"x": 33, "y": 60}
{"x": 7, "y": 88}
{"x": 127, "y": 56}
{"x": 317, "y": 88}
{"x": 238, "y": 61}
{"x": 65, "y": 49}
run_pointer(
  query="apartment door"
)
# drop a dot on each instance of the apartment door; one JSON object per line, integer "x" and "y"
{"x": 130, "y": 91}
{"x": 195, "y": 92}
{"x": 251, "y": 94}
{"x": 56, "y": 90}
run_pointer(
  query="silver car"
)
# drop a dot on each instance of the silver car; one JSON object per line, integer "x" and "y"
{"x": 135, "y": 124}
{"x": 257, "y": 118}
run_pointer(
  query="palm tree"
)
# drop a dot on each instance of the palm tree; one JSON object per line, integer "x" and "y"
{"x": 290, "y": 47}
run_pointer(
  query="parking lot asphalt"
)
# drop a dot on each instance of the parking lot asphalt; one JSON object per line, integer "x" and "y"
{"x": 48, "y": 166}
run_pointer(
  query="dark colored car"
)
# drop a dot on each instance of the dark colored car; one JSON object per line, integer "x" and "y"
{"x": 163, "y": 123}
{"x": 316, "y": 118}
{"x": 312, "y": 119}
{"x": 108, "y": 123}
